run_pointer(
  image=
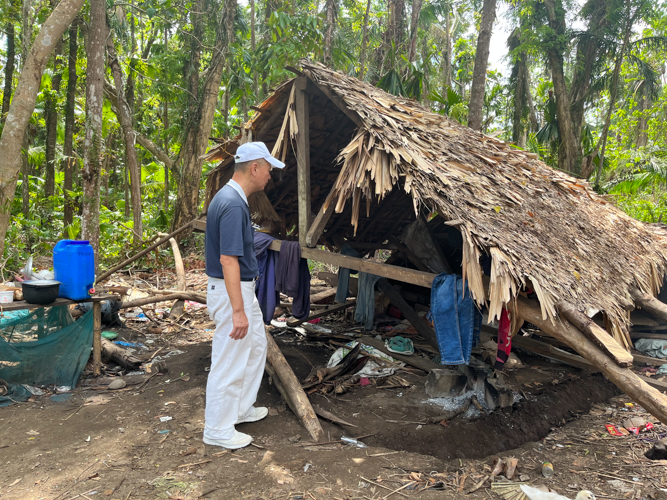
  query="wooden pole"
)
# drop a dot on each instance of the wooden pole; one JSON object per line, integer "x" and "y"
{"x": 97, "y": 339}
{"x": 320, "y": 222}
{"x": 146, "y": 250}
{"x": 177, "y": 307}
{"x": 303, "y": 156}
{"x": 651, "y": 399}
{"x": 195, "y": 297}
{"x": 300, "y": 404}
{"x": 422, "y": 327}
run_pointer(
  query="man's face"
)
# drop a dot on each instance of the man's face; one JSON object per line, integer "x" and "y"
{"x": 263, "y": 173}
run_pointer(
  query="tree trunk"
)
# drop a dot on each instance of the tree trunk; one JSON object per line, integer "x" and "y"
{"x": 414, "y": 28}
{"x": 476, "y": 106}
{"x": 52, "y": 122}
{"x": 23, "y": 105}
{"x": 92, "y": 153}
{"x": 199, "y": 126}
{"x": 447, "y": 59}
{"x": 328, "y": 34}
{"x": 68, "y": 146}
{"x": 126, "y": 191}
{"x": 642, "y": 125}
{"x": 25, "y": 175}
{"x": 165, "y": 122}
{"x": 602, "y": 142}
{"x": 9, "y": 70}
{"x": 364, "y": 42}
{"x": 125, "y": 118}
{"x": 569, "y": 153}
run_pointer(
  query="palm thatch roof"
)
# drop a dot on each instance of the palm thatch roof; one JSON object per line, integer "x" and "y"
{"x": 539, "y": 225}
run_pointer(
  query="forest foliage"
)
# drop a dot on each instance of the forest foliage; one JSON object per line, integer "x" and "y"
{"x": 582, "y": 85}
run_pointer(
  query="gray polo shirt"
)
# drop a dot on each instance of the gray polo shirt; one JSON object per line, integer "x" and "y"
{"x": 229, "y": 232}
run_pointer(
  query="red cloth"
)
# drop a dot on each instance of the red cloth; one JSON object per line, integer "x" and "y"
{"x": 504, "y": 340}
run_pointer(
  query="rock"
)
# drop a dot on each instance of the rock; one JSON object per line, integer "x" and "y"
{"x": 117, "y": 384}
{"x": 445, "y": 383}
{"x": 658, "y": 452}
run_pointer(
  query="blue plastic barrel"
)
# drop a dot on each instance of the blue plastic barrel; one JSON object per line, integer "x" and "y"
{"x": 74, "y": 267}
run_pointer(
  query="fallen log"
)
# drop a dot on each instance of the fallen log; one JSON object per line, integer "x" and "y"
{"x": 292, "y": 392}
{"x": 146, "y": 250}
{"x": 422, "y": 327}
{"x": 595, "y": 333}
{"x": 649, "y": 304}
{"x": 331, "y": 417}
{"x": 650, "y": 398}
{"x": 119, "y": 355}
{"x": 195, "y": 297}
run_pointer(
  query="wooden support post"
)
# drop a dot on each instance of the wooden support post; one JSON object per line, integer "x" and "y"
{"x": 323, "y": 312}
{"x": 649, "y": 304}
{"x": 97, "y": 339}
{"x": 650, "y": 398}
{"x": 422, "y": 327}
{"x": 292, "y": 390}
{"x": 303, "y": 156}
{"x": 321, "y": 220}
{"x": 599, "y": 336}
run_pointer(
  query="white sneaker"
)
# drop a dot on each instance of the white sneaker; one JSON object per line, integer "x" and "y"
{"x": 254, "y": 415}
{"x": 240, "y": 440}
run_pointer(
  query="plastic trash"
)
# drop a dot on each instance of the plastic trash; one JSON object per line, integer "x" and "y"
{"x": 547, "y": 469}
{"x": 109, "y": 335}
{"x": 165, "y": 419}
{"x": 353, "y": 442}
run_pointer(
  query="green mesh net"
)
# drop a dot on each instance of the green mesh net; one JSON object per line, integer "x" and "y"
{"x": 44, "y": 346}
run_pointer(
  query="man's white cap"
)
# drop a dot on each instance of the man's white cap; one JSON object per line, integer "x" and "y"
{"x": 254, "y": 151}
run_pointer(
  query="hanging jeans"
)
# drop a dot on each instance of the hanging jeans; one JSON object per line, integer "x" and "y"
{"x": 456, "y": 319}
{"x": 237, "y": 366}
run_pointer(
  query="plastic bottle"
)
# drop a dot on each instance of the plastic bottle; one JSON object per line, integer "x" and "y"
{"x": 74, "y": 267}
{"x": 547, "y": 469}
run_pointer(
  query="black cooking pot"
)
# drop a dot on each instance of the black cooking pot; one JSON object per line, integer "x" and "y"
{"x": 40, "y": 291}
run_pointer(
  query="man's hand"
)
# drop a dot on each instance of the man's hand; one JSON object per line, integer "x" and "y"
{"x": 240, "y": 322}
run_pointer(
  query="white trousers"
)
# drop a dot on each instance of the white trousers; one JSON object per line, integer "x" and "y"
{"x": 236, "y": 365}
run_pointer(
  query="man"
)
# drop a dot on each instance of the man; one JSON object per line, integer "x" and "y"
{"x": 239, "y": 341}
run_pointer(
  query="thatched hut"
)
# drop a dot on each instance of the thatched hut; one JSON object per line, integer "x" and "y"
{"x": 363, "y": 164}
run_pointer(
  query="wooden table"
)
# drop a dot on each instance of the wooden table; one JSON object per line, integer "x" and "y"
{"x": 97, "y": 320}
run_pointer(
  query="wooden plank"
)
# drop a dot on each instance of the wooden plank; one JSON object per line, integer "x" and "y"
{"x": 422, "y": 327}
{"x": 648, "y": 360}
{"x": 595, "y": 333}
{"x": 199, "y": 225}
{"x": 303, "y": 157}
{"x": 323, "y": 312}
{"x": 647, "y": 335}
{"x": 403, "y": 274}
{"x": 321, "y": 219}
{"x": 23, "y": 305}
{"x": 649, "y": 304}
{"x": 417, "y": 361}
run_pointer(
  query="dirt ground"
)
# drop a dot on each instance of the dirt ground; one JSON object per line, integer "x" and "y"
{"x": 104, "y": 444}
